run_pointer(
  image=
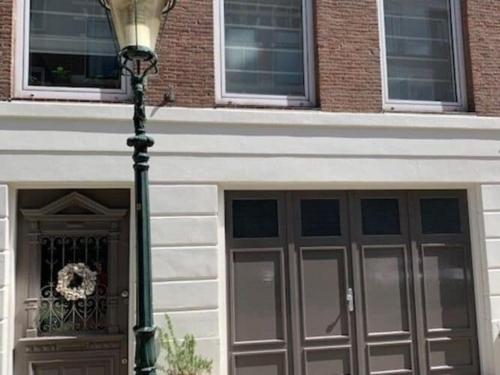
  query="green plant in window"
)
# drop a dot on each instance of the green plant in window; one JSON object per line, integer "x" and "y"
{"x": 60, "y": 72}
{"x": 180, "y": 355}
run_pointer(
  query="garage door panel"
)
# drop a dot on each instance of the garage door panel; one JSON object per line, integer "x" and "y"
{"x": 94, "y": 366}
{"x": 323, "y": 290}
{"x": 385, "y": 283}
{"x": 455, "y": 354}
{"x": 262, "y": 363}
{"x": 446, "y": 287}
{"x": 389, "y": 358}
{"x": 258, "y": 281}
{"x": 328, "y": 361}
{"x": 403, "y": 257}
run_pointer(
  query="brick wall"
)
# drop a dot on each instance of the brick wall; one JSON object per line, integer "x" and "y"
{"x": 347, "y": 55}
{"x": 483, "y": 19}
{"x": 186, "y": 56}
{"x": 6, "y": 9}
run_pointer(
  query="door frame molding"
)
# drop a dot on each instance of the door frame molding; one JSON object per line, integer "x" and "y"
{"x": 10, "y": 282}
{"x": 478, "y": 252}
{"x": 481, "y": 282}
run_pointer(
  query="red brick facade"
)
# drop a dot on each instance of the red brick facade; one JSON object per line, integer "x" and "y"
{"x": 347, "y": 55}
{"x": 186, "y": 56}
{"x": 6, "y": 47}
{"x": 483, "y": 21}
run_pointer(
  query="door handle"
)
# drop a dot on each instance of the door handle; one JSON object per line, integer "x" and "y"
{"x": 350, "y": 300}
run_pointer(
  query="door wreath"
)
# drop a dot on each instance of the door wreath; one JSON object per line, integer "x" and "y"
{"x": 76, "y": 281}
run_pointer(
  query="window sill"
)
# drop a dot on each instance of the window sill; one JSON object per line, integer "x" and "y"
{"x": 423, "y": 107}
{"x": 233, "y": 105}
{"x": 73, "y": 95}
{"x": 246, "y": 117}
{"x": 264, "y": 102}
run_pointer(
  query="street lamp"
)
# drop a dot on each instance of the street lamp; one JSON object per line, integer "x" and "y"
{"x": 137, "y": 24}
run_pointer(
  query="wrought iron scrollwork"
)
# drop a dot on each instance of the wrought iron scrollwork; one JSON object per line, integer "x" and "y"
{"x": 58, "y": 316}
{"x": 105, "y": 4}
{"x": 169, "y": 5}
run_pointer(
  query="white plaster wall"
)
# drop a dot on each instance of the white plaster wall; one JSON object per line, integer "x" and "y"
{"x": 50, "y": 142}
{"x": 185, "y": 263}
{"x": 4, "y": 279}
{"x": 490, "y": 202}
{"x": 201, "y": 152}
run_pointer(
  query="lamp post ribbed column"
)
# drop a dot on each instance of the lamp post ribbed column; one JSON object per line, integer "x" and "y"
{"x": 136, "y": 24}
{"x": 145, "y": 351}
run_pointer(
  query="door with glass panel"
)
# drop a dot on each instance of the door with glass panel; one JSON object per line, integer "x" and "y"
{"x": 444, "y": 286}
{"x": 321, "y": 260}
{"x": 350, "y": 283}
{"x": 72, "y": 283}
{"x": 258, "y": 258}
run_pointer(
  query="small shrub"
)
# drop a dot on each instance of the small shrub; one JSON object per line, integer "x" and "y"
{"x": 180, "y": 355}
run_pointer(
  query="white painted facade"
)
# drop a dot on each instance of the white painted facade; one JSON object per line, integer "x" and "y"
{"x": 200, "y": 153}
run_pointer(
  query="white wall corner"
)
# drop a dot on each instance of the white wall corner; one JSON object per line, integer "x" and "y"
{"x": 4, "y": 269}
{"x": 485, "y": 236}
{"x": 4, "y": 199}
{"x": 184, "y": 233}
{"x": 3, "y": 305}
{"x": 4, "y": 234}
{"x": 490, "y": 197}
{"x": 4, "y": 364}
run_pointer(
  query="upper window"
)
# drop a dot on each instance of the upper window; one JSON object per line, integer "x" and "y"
{"x": 68, "y": 51}
{"x": 265, "y": 53}
{"x": 423, "y": 62}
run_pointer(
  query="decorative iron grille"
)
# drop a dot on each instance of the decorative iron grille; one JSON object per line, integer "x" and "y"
{"x": 58, "y": 316}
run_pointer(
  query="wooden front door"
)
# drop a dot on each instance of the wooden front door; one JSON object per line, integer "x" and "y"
{"x": 58, "y": 333}
{"x": 344, "y": 283}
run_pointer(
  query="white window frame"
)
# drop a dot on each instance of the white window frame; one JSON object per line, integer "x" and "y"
{"x": 22, "y": 89}
{"x": 226, "y": 98}
{"x": 458, "y": 65}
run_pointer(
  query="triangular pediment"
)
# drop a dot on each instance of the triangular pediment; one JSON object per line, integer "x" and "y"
{"x": 74, "y": 204}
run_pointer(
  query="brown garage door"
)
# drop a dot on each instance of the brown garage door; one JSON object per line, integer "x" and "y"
{"x": 337, "y": 283}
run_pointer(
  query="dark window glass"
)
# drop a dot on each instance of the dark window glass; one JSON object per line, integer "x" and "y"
{"x": 320, "y": 217}
{"x": 255, "y": 218}
{"x": 264, "y": 47}
{"x": 440, "y": 215}
{"x": 71, "y": 45}
{"x": 380, "y": 216}
{"x": 419, "y": 50}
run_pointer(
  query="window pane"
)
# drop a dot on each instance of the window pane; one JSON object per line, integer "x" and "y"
{"x": 419, "y": 48}
{"x": 257, "y": 282}
{"x": 440, "y": 215}
{"x": 380, "y": 216}
{"x": 264, "y": 47}
{"x": 320, "y": 217}
{"x": 71, "y": 45}
{"x": 255, "y": 218}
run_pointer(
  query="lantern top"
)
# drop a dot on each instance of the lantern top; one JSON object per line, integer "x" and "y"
{"x": 137, "y": 25}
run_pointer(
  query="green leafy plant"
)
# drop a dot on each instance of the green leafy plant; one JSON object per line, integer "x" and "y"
{"x": 60, "y": 72}
{"x": 180, "y": 355}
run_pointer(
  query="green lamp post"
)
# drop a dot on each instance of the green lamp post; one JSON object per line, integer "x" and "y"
{"x": 137, "y": 25}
